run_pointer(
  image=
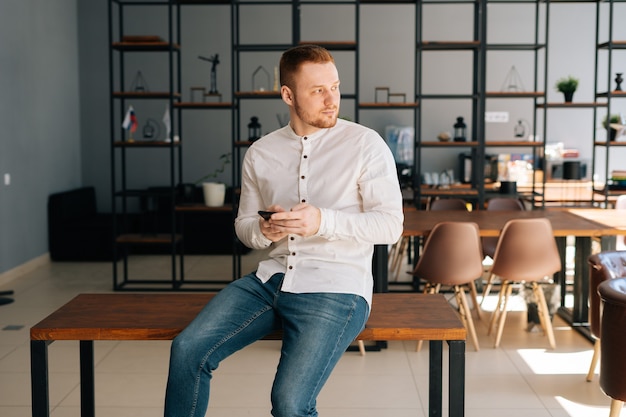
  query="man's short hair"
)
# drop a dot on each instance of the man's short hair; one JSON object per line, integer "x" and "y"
{"x": 293, "y": 58}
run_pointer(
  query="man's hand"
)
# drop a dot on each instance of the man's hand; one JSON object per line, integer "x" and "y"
{"x": 303, "y": 220}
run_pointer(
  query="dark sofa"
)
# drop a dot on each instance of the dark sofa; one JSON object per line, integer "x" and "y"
{"x": 77, "y": 232}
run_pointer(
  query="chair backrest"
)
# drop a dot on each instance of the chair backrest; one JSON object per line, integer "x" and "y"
{"x": 603, "y": 266}
{"x": 526, "y": 251}
{"x": 499, "y": 204}
{"x": 448, "y": 204}
{"x": 452, "y": 254}
{"x": 612, "y": 358}
{"x": 503, "y": 203}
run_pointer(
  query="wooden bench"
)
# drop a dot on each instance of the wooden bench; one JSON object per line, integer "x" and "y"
{"x": 91, "y": 317}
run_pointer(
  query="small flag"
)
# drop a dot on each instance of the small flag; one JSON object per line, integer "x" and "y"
{"x": 167, "y": 122}
{"x": 130, "y": 120}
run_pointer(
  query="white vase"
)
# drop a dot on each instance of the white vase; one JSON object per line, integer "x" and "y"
{"x": 214, "y": 193}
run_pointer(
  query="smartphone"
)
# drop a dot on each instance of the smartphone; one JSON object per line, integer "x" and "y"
{"x": 266, "y": 214}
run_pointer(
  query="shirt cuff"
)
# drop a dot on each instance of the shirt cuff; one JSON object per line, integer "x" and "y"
{"x": 327, "y": 224}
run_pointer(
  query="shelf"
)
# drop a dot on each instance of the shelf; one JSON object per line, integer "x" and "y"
{"x": 144, "y": 94}
{"x": 388, "y": 105}
{"x": 514, "y": 47}
{"x": 571, "y": 105}
{"x": 157, "y": 238}
{"x": 197, "y": 207}
{"x": 257, "y": 94}
{"x": 611, "y": 144}
{"x": 213, "y": 105}
{"x": 145, "y": 46}
{"x": 514, "y": 144}
{"x": 514, "y": 94}
{"x": 613, "y": 94}
{"x": 333, "y": 45}
{"x": 613, "y": 45}
{"x": 138, "y": 143}
{"x": 450, "y": 45}
{"x": 449, "y": 144}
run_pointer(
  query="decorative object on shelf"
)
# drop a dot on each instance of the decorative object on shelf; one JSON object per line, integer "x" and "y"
{"x": 444, "y": 136}
{"x": 388, "y": 96}
{"x": 400, "y": 140}
{"x": 520, "y": 129}
{"x": 254, "y": 129}
{"x": 150, "y": 129}
{"x": 130, "y": 123}
{"x": 460, "y": 128}
{"x": 513, "y": 81}
{"x": 567, "y": 86}
{"x": 214, "y": 60}
{"x": 139, "y": 84}
{"x": 259, "y": 84}
{"x": 167, "y": 122}
{"x": 276, "y": 79}
{"x": 214, "y": 192}
{"x": 615, "y": 126}
{"x": 618, "y": 81}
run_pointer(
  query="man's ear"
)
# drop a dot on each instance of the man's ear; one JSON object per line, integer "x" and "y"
{"x": 286, "y": 94}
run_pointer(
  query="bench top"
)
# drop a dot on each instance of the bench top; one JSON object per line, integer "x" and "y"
{"x": 134, "y": 316}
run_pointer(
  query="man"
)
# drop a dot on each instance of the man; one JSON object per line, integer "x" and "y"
{"x": 333, "y": 188}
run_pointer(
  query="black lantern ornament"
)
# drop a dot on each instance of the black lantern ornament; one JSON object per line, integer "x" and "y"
{"x": 254, "y": 129}
{"x": 460, "y": 130}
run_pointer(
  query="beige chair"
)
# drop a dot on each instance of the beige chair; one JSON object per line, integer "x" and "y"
{"x": 526, "y": 252}
{"x": 490, "y": 243}
{"x": 452, "y": 257}
{"x": 603, "y": 266}
{"x": 613, "y": 360}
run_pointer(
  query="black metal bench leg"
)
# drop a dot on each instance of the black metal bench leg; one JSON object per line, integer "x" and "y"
{"x": 39, "y": 378}
{"x": 87, "y": 389}
{"x": 456, "y": 384}
{"x": 435, "y": 382}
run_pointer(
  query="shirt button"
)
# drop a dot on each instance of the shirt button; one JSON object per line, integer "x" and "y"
{"x": 303, "y": 200}
{"x": 290, "y": 267}
{"x": 302, "y": 177}
{"x": 305, "y": 157}
{"x": 305, "y": 138}
{"x": 292, "y": 238}
{"x": 293, "y": 254}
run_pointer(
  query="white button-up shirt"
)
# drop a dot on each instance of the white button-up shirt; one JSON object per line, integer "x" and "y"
{"x": 349, "y": 173}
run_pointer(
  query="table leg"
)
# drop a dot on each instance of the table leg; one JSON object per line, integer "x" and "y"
{"x": 39, "y": 378}
{"x": 456, "y": 373}
{"x": 580, "y": 310}
{"x": 435, "y": 382}
{"x": 87, "y": 389}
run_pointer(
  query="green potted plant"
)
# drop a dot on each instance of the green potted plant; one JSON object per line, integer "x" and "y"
{"x": 214, "y": 192}
{"x": 567, "y": 86}
{"x": 615, "y": 124}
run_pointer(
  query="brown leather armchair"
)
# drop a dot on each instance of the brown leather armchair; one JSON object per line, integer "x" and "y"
{"x": 613, "y": 325}
{"x": 603, "y": 266}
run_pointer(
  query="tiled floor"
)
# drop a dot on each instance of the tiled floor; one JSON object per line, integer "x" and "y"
{"x": 521, "y": 378}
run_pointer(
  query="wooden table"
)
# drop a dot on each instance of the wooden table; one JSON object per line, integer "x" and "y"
{"x": 564, "y": 223}
{"x": 91, "y": 317}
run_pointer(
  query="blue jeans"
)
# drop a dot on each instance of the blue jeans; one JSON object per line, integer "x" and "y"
{"x": 317, "y": 329}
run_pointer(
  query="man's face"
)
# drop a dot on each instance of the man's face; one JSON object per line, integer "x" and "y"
{"x": 316, "y": 97}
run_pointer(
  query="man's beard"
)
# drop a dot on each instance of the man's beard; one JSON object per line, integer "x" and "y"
{"x": 319, "y": 122}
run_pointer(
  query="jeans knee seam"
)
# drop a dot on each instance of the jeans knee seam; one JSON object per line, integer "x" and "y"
{"x": 213, "y": 348}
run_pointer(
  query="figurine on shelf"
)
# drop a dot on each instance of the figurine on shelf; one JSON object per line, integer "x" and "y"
{"x": 214, "y": 60}
{"x": 258, "y": 85}
{"x": 460, "y": 128}
{"x": 618, "y": 81}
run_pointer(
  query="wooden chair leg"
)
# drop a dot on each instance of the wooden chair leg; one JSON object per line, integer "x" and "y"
{"x": 616, "y": 408}
{"x": 544, "y": 314}
{"x": 466, "y": 315}
{"x": 502, "y": 318}
{"x": 594, "y": 360}
{"x": 487, "y": 288}
{"x": 474, "y": 295}
{"x": 361, "y": 347}
{"x": 498, "y": 310}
